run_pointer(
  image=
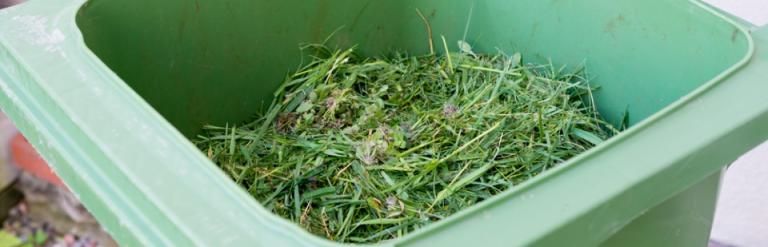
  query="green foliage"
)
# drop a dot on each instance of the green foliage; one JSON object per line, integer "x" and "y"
{"x": 8, "y": 240}
{"x": 363, "y": 150}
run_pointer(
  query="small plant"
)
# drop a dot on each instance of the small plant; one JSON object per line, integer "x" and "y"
{"x": 38, "y": 238}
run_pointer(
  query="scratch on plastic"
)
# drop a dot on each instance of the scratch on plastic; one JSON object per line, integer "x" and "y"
{"x": 35, "y": 30}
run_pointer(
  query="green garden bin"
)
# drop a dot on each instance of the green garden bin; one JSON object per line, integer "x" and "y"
{"x": 110, "y": 92}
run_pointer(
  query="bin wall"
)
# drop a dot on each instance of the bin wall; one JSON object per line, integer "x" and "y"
{"x": 206, "y": 62}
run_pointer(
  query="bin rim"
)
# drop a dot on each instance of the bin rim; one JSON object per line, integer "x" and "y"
{"x": 125, "y": 202}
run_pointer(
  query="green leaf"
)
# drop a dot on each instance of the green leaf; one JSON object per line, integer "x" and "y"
{"x": 305, "y": 106}
{"x": 40, "y": 237}
{"x": 463, "y": 182}
{"x": 381, "y": 221}
{"x": 7, "y": 239}
{"x": 297, "y": 99}
{"x": 334, "y": 152}
{"x": 587, "y": 136}
{"x": 318, "y": 193}
{"x": 516, "y": 59}
{"x": 465, "y": 47}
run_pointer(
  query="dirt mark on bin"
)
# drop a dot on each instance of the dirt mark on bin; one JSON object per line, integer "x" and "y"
{"x": 358, "y": 15}
{"x": 610, "y": 26}
{"x": 318, "y": 24}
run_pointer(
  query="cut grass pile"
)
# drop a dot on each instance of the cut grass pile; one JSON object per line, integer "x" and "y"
{"x": 367, "y": 149}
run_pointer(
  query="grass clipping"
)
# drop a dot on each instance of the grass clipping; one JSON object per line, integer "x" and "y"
{"x": 363, "y": 150}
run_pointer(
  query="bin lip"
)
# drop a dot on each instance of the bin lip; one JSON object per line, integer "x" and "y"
{"x": 610, "y": 143}
{"x": 84, "y": 55}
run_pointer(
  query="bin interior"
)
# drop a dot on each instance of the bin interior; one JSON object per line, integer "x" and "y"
{"x": 217, "y": 62}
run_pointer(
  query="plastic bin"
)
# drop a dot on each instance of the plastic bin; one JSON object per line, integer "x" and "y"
{"x": 108, "y": 90}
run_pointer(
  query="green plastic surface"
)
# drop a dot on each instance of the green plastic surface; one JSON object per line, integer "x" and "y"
{"x": 106, "y": 90}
